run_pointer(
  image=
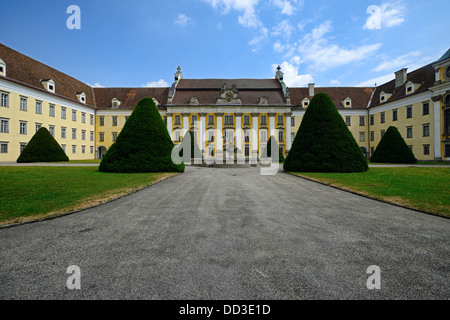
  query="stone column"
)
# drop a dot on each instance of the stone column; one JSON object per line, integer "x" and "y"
{"x": 219, "y": 139}
{"x": 185, "y": 124}
{"x": 437, "y": 126}
{"x": 238, "y": 135}
{"x": 288, "y": 132}
{"x": 202, "y": 132}
{"x": 271, "y": 125}
{"x": 255, "y": 138}
{"x": 169, "y": 124}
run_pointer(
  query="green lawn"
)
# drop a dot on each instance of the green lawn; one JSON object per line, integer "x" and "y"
{"x": 28, "y": 193}
{"x": 426, "y": 189}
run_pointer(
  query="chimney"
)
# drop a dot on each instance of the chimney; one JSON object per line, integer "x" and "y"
{"x": 311, "y": 89}
{"x": 401, "y": 77}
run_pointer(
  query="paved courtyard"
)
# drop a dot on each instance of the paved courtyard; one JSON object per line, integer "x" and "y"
{"x": 230, "y": 234}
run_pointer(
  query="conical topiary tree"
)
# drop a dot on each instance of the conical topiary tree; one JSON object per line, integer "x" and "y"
{"x": 268, "y": 150}
{"x": 323, "y": 142}
{"x": 144, "y": 145}
{"x": 42, "y": 148}
{"x": 393, "y": 149}
{"x": 195, "y": 149}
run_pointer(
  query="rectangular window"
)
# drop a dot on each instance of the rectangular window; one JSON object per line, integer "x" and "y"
{"x": 382, "y": 133}
{"x": 4, "y": 147}
{"x": 51, "y": 129}
{"x": 83, "y": 134}
{"x": 447, "y": 151}
{"x": 246, "y": 120}
{"x": 263, "y": 135}
{"x": 101, "y": 136}
{"x": 292, "y": 121}
{"x": 362, "y": 136}
{"x": 177, "y": 121}
{"x": 74, "y": 149}
{"x": 91, "y": 120}
{"x": 23, "y": 104}
{"x": 193, "y": 120}
{"x": 83, "y": 149}
{"x": 362, "y": 121}
{"x": 92, "y": 136}
{"x": 426, "y": 108}
{"x": 83, "y": 117}
{"x": 177, "y": 136}
{"x": 4, "y": 99}
{"x": 22, "y": 146}
{"x": 372, "y": 135}
{"x": 409, "y": 132}
{"x": 211, "y": 136}
{"x": 280, "y": 136}
{"x": 4, "y": 126}
{"x": 247, "y": 151}
{"x": 210, "y": 120}
{"x": 63, "y": 146}
{"x": 280, "y": 121}
{"x": 426, "y": 130}
{"x": 63, "y": 132}
{"x": 394, "y": 115}
{"x": 211, "y": 151}
{"x": 264, "y": 120}
{"x": 114, "y": 136}
{"x": 382, "y": 117}
{"x": 348, "y": 121}
{"x": 38, "y": 126}
{"x": 229, "y": 120}
{"x": 38, "y": 107}
{"x": 114, "y": 121}
{"x": 92, "y": 149}
{"x": 74, "y": 115}
{"x": 23, "y": 127}
{"x": 292, "y": 137}
{"x": 372, "y": 120}
{"x": 74, "y": 133}
{"x": 101, "y": 121}
{"x": 409, "y": 112}
{"x": 63, "y": 113}
{"x": 246, "y": 136}
{"x": 426, "y": 150}
{"x": 51, "y": 110}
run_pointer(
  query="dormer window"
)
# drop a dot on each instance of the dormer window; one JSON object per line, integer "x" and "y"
{"x": 384, "y": 96}
{"x": 115, "y": 103}
{"x": 156, "y": 102}
{"x": 2, "y": 68}
{"x": 411, "y": 87}
{"x": 81, "y": 96}
{"x": 305, "y": 103}
{"x": 49, "y": 85}
{"x": 347, "y": 102}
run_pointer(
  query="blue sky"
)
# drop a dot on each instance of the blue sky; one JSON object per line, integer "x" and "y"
{"x": 137, "y": 43}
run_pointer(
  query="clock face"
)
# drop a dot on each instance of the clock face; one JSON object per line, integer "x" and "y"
{"x": 229, "y": 95}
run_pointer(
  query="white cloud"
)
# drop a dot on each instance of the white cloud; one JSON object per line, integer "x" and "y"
{"x": 316, "y": 49}
{"x": 97, "y": 85}
{"x": 284, "y": 29}
{"x": 399, "y": 62}
{"x": 291, "y": 76}
{"x": 156, "y": 84}
{"x": 183, "y": 20}
{"x": 335, "y": 81}
{"x": 378, "y": 81}
{"x": 388, "y": 15}
{"x": 286, "y": 7}
{"x": 248, "y": 18}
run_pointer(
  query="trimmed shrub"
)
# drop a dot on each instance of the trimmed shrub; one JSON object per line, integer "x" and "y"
{"x": 268, "y": 151}
{"x": 42, "y": 148}
{"x": 393, "y": 149}
{"x": 144, "y": 144}
{"x": 323, "y": 142}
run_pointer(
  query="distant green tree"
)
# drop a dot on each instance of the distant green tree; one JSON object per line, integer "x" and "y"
{"x": 144, "y": 145}
{"x": 323, "y": 143}
{"x": 393, "y": 149}
{"x": 42, "y": 148}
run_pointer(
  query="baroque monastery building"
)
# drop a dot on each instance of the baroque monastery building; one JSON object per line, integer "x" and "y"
{"x": 230, "y": 118}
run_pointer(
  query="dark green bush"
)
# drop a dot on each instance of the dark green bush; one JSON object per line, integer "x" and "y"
{"x": 144, "y": 144}
{"x": 393, "y": 149}
{"x": 267, "y": 152}
{"x": 42, "y": 148}
{"x": 323, "y": 142}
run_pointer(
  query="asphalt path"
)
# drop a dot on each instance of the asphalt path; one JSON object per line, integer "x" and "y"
{"x": 215, "y": 233}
